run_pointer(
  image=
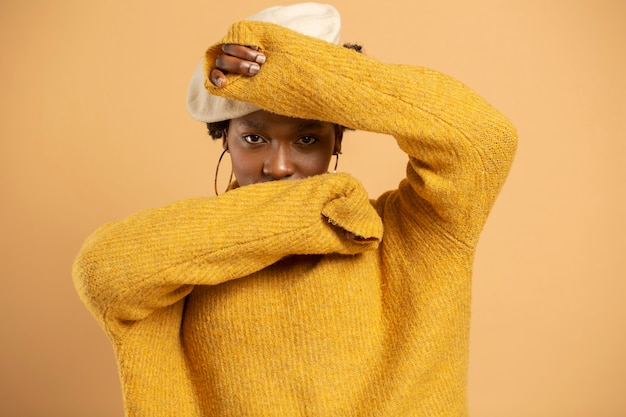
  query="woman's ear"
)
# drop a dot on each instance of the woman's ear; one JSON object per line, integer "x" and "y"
{"x": 338, "y": 139}
{"x": 225, "y": 139}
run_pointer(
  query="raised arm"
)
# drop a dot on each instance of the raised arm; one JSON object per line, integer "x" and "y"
{"x": 128, "y": 269}
{"x": 460, "y": 147}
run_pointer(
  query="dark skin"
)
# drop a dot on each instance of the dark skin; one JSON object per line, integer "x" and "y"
{"x": 266, "y": 146}
{"x": 237, "y": 59}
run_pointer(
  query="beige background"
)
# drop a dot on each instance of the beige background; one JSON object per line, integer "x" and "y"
{"x": 94, "y": 127}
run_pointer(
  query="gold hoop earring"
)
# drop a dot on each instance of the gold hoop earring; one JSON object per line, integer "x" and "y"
{"x": 336, "y": 163}
{"x": 217, "y": 170}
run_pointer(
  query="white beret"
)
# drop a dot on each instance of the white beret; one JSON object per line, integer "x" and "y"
{"x": 321, "y": 21}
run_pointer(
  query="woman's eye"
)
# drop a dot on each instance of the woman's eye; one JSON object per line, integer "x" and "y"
{"x": 253, "y": 139}
{"x": 306, "y": 140}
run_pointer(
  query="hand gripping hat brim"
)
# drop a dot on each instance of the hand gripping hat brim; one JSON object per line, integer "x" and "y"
{"x": 321, "y": 21}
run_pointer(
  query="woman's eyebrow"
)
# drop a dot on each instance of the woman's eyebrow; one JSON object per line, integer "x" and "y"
{"x": 307, "y": 125}
{"x": 252, "y": 124}
{"x": 312, "y": 125}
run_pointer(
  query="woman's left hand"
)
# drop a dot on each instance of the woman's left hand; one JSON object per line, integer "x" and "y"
{"x": 236, "y": 59}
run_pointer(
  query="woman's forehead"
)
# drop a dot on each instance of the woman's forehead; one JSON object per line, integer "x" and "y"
{"x": 263, "y": 120}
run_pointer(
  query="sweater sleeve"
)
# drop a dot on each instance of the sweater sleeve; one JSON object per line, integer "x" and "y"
{"x": 460, "y": 148}
{"x": 126, "y": 270}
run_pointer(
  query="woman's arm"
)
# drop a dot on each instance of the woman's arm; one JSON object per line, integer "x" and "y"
{"x": 128, "y": 269}
{"x": 460, "y": 147}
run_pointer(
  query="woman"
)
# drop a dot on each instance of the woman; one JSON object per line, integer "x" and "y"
{"x": 285, "y": 298}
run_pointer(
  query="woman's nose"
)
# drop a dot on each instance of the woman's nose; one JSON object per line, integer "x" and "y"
{"x": 278, "y": 164}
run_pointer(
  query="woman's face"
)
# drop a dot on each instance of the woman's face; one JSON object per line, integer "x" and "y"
{"x": 266, "y": 147}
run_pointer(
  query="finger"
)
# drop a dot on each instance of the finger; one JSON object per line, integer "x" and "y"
{"x": 218, "y": 78}
{"x": 247, "y": 53}
{"x": 227, "y": 63}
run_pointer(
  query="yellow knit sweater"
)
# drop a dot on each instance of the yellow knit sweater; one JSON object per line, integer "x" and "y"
{"x": 256, "y": 303}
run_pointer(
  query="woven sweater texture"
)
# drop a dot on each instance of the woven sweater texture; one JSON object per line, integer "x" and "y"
{"x": 258, "y": 303}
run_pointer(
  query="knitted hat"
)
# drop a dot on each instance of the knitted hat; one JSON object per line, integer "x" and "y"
{"x": 321, "y": 21}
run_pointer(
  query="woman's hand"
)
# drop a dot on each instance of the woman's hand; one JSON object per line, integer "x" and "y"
{"x": 236, "y": 59}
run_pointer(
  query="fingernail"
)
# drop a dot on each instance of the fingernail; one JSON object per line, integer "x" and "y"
{"x": 218, "y": 81}
{"x": 253, "y": 69}
{"x": 260, "y": 58}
